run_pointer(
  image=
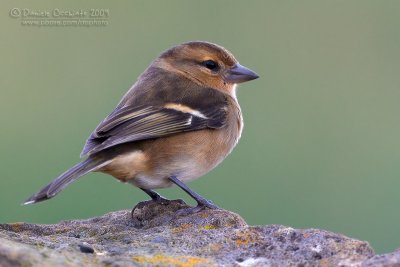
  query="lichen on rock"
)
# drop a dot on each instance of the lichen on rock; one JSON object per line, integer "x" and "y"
{"x": 158, "y": 236}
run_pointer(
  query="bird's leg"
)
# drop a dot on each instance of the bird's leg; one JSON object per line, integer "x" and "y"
{"x": 201, "y": 201}
{"x": 155, "y": 197}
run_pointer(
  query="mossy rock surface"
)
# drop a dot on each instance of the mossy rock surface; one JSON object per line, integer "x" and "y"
{"x": 159, "y": 236}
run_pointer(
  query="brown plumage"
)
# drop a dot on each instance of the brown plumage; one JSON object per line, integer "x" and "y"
{"x": 177, "y": 122}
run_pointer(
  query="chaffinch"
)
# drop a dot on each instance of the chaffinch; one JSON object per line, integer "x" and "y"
{"x": 176, "y": 123}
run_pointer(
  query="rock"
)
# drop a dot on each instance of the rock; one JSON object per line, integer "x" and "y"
{"x": 158, "y": 236}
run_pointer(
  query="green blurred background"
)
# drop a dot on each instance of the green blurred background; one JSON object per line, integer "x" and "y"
{"x": 321, "y": 144}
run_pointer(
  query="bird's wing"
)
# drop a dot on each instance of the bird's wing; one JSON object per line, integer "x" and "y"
{"x": 130, "y": 124}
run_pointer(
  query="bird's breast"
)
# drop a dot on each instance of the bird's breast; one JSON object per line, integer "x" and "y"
{"x": 186, "y": 155}
{"x": 193, "y": 154}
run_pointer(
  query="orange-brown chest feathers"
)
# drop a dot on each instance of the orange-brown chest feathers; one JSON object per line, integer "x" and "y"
{"x": 185, "y": 155}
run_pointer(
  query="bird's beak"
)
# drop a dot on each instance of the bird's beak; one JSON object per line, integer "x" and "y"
{"x": 240, "y": 74}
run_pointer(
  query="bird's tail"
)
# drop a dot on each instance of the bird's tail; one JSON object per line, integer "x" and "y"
{"x": 62, "y": 181}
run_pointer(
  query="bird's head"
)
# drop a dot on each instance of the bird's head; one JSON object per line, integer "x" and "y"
{"x": 205, "y": 63}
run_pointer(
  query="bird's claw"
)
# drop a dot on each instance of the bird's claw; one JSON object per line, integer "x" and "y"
{"x": 202, "y": 204}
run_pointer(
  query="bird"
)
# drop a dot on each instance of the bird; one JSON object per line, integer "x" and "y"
{"x": 178, "y": 121}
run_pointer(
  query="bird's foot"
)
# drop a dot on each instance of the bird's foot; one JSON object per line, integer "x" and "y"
{"x": 202, "y": 204}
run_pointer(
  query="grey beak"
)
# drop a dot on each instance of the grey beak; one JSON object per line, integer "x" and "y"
{"x": 240, "y": 74}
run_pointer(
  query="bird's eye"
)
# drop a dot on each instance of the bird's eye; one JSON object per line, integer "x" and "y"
{"x": 211, "y": 65}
